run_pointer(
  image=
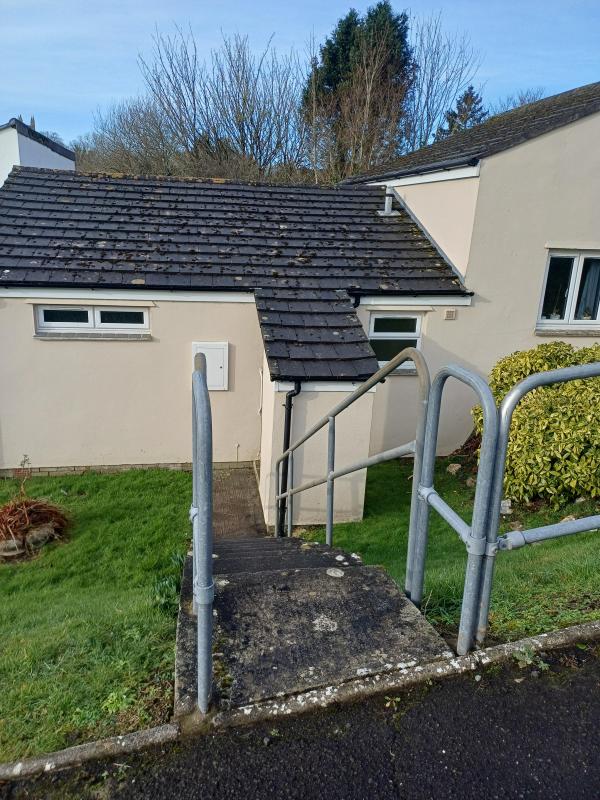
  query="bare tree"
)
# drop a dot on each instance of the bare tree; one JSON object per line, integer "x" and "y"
{"x": 131, "y": 136}
{"x": 521, "y": 98}
{"x": 446, "y": 66}
{"x": 240, "y": 108}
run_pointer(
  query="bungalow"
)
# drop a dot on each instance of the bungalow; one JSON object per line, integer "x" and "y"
{"x": 110, "y": 284}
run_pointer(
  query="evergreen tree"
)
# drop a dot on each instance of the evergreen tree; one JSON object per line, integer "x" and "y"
{"x": 355, "y": 93}
{"x": 469, "y": 111}
{"x": 339, "y": 54}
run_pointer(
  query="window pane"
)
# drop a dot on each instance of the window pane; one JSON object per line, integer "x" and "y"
{"x": 77, "y": 316}
{"x": 386, "y": 349}
{"x": 394, "y": 325}
{"x": 557, "y": 287}
{"x": 588, "y": 298}
{"x": 121, "y": 317}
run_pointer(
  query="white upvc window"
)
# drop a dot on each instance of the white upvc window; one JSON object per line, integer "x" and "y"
{"x": 571, "y": 294}
{"x": 390, "y": 333}
{"x": 90, "y": 319}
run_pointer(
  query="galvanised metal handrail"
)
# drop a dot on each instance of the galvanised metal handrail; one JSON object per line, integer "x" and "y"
{"x": 415, "y": 447}
{"x": 201, "y": 518}
{"x": 473, "y": 535}
{"x": 516, "y": 539}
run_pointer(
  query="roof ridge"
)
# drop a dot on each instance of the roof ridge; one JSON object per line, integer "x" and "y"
{"x": 184, "y": 179}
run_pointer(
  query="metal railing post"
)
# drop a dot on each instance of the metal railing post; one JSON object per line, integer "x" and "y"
{"x": 290, "y": 499}
{"x": 507, "y": 408}
{"x": 413, "y": 526}
{"x": 202, "y": 526}
{"x": 278, "y": 500}
{"x": 330, "y": 480}
{"x": 475, "y": 534}
{"x": 419, "y": 531}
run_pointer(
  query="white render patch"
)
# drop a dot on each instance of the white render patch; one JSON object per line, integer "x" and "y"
{"x": 324, "y": 624}
{"x": 334, "y": 572}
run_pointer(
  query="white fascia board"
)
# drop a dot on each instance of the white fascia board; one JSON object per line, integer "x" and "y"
{"x": 418, "y": 302}
{"x": 91, "y": 295}
{"x": 431, "y": 177}
{"x": 320, "y": 386}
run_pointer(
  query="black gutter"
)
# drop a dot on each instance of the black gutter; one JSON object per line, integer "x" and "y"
{"x": 287, "y": 432}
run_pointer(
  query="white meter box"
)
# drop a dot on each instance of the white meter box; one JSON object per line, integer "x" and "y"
{"x": 217, "y": 363}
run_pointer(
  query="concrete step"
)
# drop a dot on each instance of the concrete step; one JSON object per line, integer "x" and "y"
{"x": 260, "y": 555}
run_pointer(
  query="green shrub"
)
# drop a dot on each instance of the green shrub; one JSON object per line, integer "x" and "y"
{"x": 554, "y": 445}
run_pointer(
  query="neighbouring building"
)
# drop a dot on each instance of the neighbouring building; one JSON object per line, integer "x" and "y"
{"x": 21, "y": 145}
{"x": 108, "y": 285}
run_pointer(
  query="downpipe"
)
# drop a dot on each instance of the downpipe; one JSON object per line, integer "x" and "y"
{"x": 287, "y": 435}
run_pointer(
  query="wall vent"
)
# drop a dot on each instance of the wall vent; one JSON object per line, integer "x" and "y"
{"x": 449, "y": 313}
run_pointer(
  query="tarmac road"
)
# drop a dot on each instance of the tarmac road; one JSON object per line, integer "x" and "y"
{"x": 531, "y": 732}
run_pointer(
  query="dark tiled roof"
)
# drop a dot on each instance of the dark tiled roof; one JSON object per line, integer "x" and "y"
{"x": 40, "y": 138}
{"x": 304, "y": 251}
{"x": 496, "y": 134}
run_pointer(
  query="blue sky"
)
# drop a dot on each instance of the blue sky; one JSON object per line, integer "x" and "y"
{"x": 66, "y": 58}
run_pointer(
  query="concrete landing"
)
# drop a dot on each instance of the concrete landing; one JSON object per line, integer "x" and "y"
{"x": 287, "y": 631}
{"x": 291, "y": 616}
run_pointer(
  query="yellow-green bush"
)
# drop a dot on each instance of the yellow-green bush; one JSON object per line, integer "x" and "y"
{"x": 554, "y": 445}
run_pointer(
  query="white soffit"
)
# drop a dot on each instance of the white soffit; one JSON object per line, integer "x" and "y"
{"x": 431, "y": 177}
{"x": 320, "y": 386}
{"x": 415, "y": 302}
{"x": 133, "y": 294}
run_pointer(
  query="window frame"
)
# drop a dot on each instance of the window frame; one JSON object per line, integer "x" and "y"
{"x": 408, "y": 366}
{"x": 94, "y": 324}
{"x": 569, "y": 321}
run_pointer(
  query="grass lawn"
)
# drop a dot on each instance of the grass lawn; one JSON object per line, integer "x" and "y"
{"x": 536, "y": 588}
{"x": 88, "y": 627}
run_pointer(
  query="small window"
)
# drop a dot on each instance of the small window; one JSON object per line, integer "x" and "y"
{"x": 389, "y": 334}
{"x": 571, "y": 291}
{"x": 73, "y": 319}
{"x": 120, "y": 318}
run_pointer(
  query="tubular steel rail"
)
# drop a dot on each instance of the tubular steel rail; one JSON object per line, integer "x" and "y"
{"x": 201, "y": 519}
{"x": 480, "y": 536}
{"x": 473, "y": 535}
{"x": 516, "y": 539}
{"x": 415, "y": 447}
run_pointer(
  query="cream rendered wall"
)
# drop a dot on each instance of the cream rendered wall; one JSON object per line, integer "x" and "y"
{"x": 9, "y": 151}
{"x": 79, "y": 403}
{"x": 352, "y": 444}
{"x": 446, "y": 209}
{"x": 546, "y": 191}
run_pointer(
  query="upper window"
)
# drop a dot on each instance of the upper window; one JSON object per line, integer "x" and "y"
{"x": 75, "y": 319}
{"x": 571, "y": 291}
{"x": 389, "y": 334}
